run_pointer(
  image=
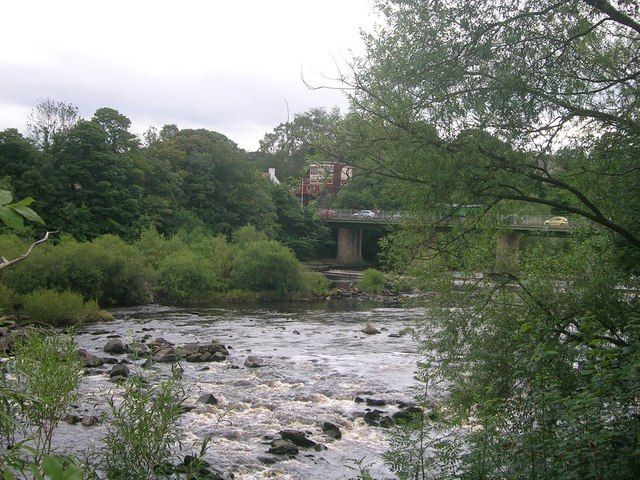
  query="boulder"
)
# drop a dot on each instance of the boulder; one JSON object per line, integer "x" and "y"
{"x": 71, "y": 419}
{"x": 297, "y": 437}
{"x": 387, "y": 422}
{"x": 165, "y": 355}
{"x": 89, "y": 359}
{"x": 375, "y": 402}
{"x": 408, "y": 414}
{"x": 89, "y": 420}
{"x": 218, "y": 357}
{"x": 370, "y": 329}
{"x": 115, "y": 346}
{"x": 119, "y": 370}
{"x": 139, "y": 349}
{"x": 208, "y": 399}
{"x": 283, "y": 447}
{"x": 253, "y": 362}
{"x": 331, "y": 430}
{"x": 372, "y": 418}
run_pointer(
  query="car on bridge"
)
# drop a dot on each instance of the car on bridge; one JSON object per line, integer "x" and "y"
{"x": 364, "y": 214}
{"x": 556, "y": 222}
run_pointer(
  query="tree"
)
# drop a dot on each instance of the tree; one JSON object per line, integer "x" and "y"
{"x": 116, "y": 127}
{"x": 289, "y": 148}
{"x": 513, "y": 106}
{"x": 49, "y": 118}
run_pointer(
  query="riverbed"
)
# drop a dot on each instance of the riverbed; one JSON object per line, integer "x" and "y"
{"x": 316, "y": 362}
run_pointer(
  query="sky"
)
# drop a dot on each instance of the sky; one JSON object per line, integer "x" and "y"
{"x": 228, "y": 66}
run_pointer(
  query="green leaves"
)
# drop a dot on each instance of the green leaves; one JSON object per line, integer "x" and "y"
{"x": 12, "y": 214}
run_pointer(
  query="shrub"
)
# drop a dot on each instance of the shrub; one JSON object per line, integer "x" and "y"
{"x": 372, "y": 281}
{"x": 186, "y": 278}
{"x": 60, "y": 308}
{"x": 8, "y": 299}
{"x": 143, "y": 429}
{"x": 315, "y": 283}
{"x": 266, "y": 266}
{"x": 248, "y": 234}
{"x": 106, "y": 269}
{"x": 48, "y": 372}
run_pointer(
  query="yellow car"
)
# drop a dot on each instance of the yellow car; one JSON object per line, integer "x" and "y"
{"x": 556, "y": 222}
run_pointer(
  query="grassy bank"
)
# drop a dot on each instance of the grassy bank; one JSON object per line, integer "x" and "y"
{"x": 68, "y": 282}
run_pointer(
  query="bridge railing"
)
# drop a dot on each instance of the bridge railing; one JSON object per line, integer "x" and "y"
{"x": 516, "y": 221}
{"x": 353, "y": 215}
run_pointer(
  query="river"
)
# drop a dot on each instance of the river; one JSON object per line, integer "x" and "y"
{"x": 317, "y": 361}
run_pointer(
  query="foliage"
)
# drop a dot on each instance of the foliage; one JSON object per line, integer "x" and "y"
{"x": 372, "y": 281}
{"x": 298, "y": 227}
{"x": 509, "y": 106}
{"x": 266, "y": 266}
{"x": 105, "y": 269}
{"x": 315, "y": 283}
{"x": 290, "y": 147}
{"x": 186, "y": 277}
{"x": 47, "y": 373}
{"x": 8, "y": 298}
{"x": 143, "y": 428}
{"x": 59, "y": 308}
{"x": 12, "y": 214}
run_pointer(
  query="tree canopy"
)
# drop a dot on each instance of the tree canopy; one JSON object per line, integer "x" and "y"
{"x": 512, "y": 107}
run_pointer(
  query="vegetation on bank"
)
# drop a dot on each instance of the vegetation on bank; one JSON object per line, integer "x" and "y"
{"x": 39, "y": 385}
{"x": 372, "y": 281}
{"x": 69, "y": 281}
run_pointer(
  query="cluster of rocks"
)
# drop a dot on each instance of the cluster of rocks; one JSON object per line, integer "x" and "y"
{"x": 162, "y": 351}
{"x": 408, "y": 412}
{"x": 291, "y": 441}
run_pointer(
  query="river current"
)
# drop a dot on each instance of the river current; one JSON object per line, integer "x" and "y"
{"x": 316, "y": 359}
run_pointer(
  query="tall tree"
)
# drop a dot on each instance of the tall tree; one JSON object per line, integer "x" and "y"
{"x": 48, "y": 118}
{"x": 515, "y": 105}
{"x": 116, "y": 127}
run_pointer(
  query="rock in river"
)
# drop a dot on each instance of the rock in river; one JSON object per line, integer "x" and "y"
{"x": 115, "y": 346}
{"x": 331, "y": 430}
{"x": 370, "y": 329}
{"x": 283, "y": 447}
{"x": 88, "y": 359}
{"x": 119, "y": 370}
{"x": 253, "y": 362}
{"x": 208, "y": 399}
{"x": 298, "y": 438}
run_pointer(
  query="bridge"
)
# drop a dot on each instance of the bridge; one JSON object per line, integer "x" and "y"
{"x": 351, "y": 222}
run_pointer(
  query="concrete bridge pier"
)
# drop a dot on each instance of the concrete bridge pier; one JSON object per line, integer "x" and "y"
{"x": 349, "y": 246}
{"x": 507, "y": 248}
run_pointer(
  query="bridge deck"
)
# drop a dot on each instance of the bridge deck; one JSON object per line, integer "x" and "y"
{"x": 378, "y": 217}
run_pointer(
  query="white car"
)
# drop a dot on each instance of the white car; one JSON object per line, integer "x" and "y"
{"x": 364, "y": 214}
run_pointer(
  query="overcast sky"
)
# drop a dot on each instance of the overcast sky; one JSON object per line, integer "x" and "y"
{"x": 227, "y": 66}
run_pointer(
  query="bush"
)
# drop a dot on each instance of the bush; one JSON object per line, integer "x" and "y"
{"x": 47, "y": 372}
{"x": 106, "y": 269}
{"x": 315, "y": 283}
{"x": 186, "y": 277}
{"x": 372, "y": 281}
{"x": 8, "y": 299}
{"x": 266, "y": 266}
{"x": 60, "y": 308}
{"x": 143, "y": 429}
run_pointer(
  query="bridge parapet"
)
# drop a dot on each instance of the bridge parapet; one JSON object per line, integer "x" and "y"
{"x": 511, "y": 221}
